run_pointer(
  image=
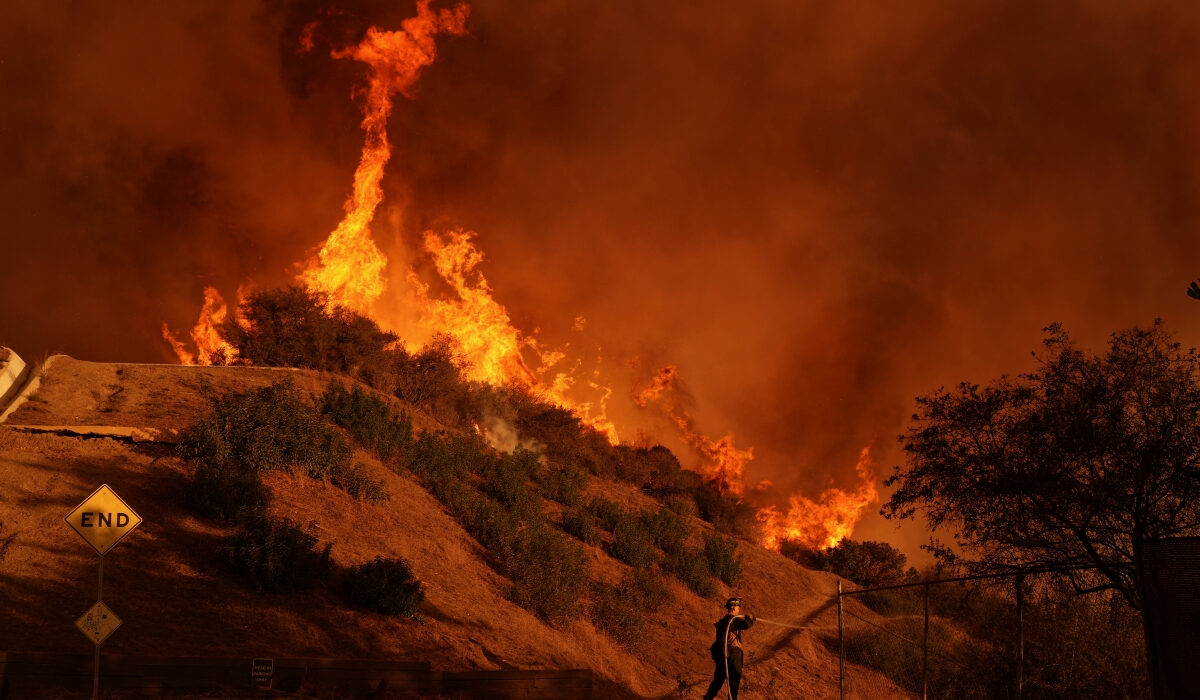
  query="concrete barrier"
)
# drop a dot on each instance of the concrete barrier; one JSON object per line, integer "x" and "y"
{"x": 12, "y": 375}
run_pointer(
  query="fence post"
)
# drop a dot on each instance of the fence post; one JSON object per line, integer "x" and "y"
{"x": 925, "y": 651}
{"x": 841, "y": 647}
{"x": 1020, "y": 636}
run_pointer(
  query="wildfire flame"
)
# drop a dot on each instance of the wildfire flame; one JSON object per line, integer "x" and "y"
{"x": 350, "y": 270}
{"x": 210, "y": 346}
{"x": 722, "y": 460}
{"x": 820, "y": 524}
{"x": 823, "y": 523}
{"x": 349, "y": 267}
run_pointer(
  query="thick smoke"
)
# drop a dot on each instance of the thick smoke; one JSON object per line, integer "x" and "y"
{"x": 814, "y": 210}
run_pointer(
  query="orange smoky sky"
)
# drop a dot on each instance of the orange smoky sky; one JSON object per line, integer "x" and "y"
{"x": 815, "y": 210}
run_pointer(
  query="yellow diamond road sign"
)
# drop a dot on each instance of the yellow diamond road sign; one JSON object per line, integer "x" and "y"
{"x": 103, "y": 519}
{"x": 97, "y": 623}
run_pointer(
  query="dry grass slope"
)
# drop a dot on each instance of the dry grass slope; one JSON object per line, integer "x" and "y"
{"x": 167, "y": 583}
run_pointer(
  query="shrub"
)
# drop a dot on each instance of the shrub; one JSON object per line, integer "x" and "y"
{"x": 648, "y": 588}
{"x": 277, "y": 556}
{"x": 385, "y": 586}
{"x": 446, "y": 458}
{"x": 493, "y": 525}
{"x": 801, "y": 553}
{"x": 691, "y": 569}
{"x": 723, "y": 560}
{"x": 681, "y": 504}
{"x": 607, "y": 512}
{"x": 356, "y": 482}
{"x": 622, "y": 611}
{"x": 632, "y": 543}
{"x": 549, "y": 573}
{"x": 226, "y": 489}
{"x": 265, "y": 429}
{"x": 506, "y": 477}
{"x": 567, "y": 439}
{"x": 369, "y": 420}
{"x": 296, "y": 327}
{"x": 432, "y": 379}
{"x": 614, "y": 613}
{"x": 564, "y": 484}
{"x": 582, "y": 525}
{"x": 667, "y": 530}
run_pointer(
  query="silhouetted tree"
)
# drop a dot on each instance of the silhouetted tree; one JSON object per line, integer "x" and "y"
{"x": 1070, "y": 467}
{"x": 866, "y": 563}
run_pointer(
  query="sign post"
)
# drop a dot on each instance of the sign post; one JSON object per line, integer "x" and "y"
{"x": 102, "y": 520}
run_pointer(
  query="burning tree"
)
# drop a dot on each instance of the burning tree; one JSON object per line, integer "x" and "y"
{"x": 1072, "y": 467}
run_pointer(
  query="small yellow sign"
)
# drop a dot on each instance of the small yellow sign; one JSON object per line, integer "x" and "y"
{"x": 98, "y": 623}
{"x": 103, "y": 519}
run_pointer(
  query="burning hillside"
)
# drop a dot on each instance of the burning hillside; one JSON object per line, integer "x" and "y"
{"x": 352, "y": 272}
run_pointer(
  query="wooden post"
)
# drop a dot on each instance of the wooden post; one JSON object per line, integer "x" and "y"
{"x": 1020, "y": 636}
{"x": 99, "y": 599}
{"x": 925, "y": 651}
{"x": 841, "y": 646}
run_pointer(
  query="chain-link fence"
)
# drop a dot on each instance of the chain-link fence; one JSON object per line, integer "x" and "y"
{"x": 981, "y": 637}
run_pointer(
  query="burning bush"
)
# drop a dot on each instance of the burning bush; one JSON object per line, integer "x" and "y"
{"x": 432, "y": 379}
{"x": 385, "y": 586}
{"x": 277, "y": 556}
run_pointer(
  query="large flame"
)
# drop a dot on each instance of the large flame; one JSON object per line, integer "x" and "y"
{"x": 823, "y": 523}
{"x": 349, "y": 267}
{"x": 490, "y": 344}
{"x": 819, "y": 524}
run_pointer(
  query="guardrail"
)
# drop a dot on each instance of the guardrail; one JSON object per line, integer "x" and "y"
{"x": 32, "y": 674}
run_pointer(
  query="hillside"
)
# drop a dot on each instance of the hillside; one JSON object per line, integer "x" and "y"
{"x": 91, "y": 423}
